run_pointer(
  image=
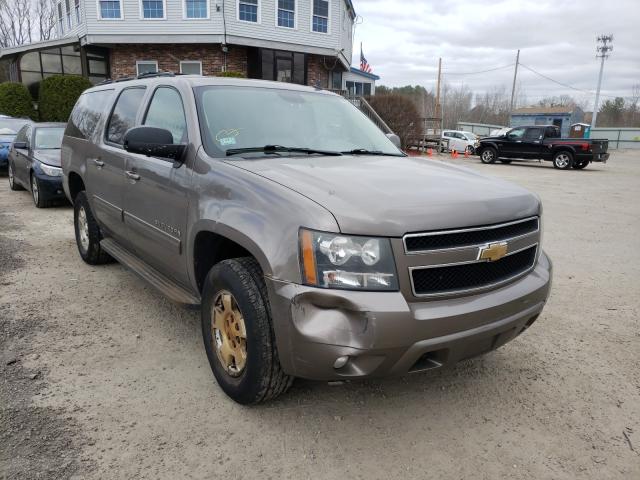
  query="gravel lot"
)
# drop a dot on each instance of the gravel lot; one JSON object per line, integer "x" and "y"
{"x": 104, "y": 378}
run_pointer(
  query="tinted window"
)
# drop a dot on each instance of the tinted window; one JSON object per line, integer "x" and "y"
{"x": 552, "y": 132}
{"x": 87, "y": 113}
{"x": 22, "y": 134}
{"x": 533, "y": 134}
{"x": 124, "y": 114}
{"x": 166, "y": 111}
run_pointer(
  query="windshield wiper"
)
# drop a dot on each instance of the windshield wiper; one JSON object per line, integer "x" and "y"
{"x": 280, "y": 148}
{"x": 364, "y": 151}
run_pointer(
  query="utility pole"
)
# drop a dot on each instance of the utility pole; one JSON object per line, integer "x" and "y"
{"x": 513, "y": 88}
{"x": 604, "y": 47}
{"x": 437, "y": 112}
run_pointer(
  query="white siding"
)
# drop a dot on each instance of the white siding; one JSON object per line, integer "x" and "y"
{"x": 175, "y": 26}
{"x": 77, "y": 29}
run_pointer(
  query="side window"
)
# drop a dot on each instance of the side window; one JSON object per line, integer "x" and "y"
{"x": 87, "y": 113}
{"x": 22, "y": 134}
{"x": 533, "y": 134}
{"x": 124, "y": 114}
{"x": 166, "y": 111}
{"x": 516, "y": 134}
{"x": 552, "y": 132}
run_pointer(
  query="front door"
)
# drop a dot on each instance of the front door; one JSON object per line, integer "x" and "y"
{"x": 532, "y": 142}
{"x": 21, "y": 156}
{"x": 105, "y": 168}
{"x": 511, "y": 146}
{"x": 156, "y": 193}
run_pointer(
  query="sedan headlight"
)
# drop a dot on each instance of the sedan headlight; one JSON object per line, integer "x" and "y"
{"x": 331, "y": 260}
{"x": 51, "y": 171}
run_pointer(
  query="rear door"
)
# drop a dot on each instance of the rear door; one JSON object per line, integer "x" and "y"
{"x": 107, "y": 169}
{"x": 156, "y": 191}
{"x": 532, "y": 142}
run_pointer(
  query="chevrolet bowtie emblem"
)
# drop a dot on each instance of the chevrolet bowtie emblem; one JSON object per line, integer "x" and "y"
{"x": 493, "y": 252}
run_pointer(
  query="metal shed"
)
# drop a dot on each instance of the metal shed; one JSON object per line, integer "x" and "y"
{"x": 562, "y": 117}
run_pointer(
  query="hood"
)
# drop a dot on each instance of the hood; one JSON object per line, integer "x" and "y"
{"x": 497, "y": 137}
{"x": 391, "y": 196}
{"x": 48, "y": 157}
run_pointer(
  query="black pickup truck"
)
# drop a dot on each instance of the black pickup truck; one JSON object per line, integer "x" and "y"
{"x": 543, "y": 142}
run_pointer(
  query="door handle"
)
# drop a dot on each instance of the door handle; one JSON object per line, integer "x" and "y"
{"x": 98, "y": 163}
{"x": 133, "y": 175}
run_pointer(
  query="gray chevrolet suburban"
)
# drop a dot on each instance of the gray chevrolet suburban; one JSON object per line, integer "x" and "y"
{"x": 314, "y": 247}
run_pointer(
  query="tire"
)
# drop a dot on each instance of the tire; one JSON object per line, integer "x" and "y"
{"x": 254, "y": 374}
{"x": 13, "y": 185}
{"x": 488, "y": 155}
{"x": 563, "y": 160}
{"x": 88, "y": 233}
{"x": 39, "y": 200}
{"x": 581, "y": 165}
{"x": 469, "y": 149}
{"x": 506, "y": 161}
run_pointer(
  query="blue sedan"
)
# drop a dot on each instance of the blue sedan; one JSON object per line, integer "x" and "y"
{"x": 8, "y": 129}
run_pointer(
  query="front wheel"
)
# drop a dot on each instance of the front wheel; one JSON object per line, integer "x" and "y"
{"x": 563, "y": 160}
{"x": 488, "y": 155}
{"x": 238, "y": 333}
{"x": 39, "y": 199}
{"x": 581, "y": 165}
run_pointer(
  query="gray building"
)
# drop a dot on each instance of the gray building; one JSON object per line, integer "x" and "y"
{"x": 562, "y": 117}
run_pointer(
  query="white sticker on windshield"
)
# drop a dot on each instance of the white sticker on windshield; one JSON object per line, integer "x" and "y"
{"x": 227, "y": 141}
{"x": 227, "y": 136}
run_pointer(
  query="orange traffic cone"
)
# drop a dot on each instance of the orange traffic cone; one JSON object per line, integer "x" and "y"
{"x": 454, "y": 153}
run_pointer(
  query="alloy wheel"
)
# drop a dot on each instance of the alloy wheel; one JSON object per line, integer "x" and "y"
{"x": 83, "y": 229}
{"x": 562, "y": 160}
{"x": 229, "y": 333}
{"x": 11, "y": 179}
{"x": 487, "y": 156}
{"x": 34, "y": 189}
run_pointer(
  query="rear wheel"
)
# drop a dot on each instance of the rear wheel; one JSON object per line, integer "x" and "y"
{"x": 12, "y": 179}
{"x": 489, "y": 155}
{"x": 581, "y": 165}
{"x": 563, "y": 160}
{"x": 88, "y": 233}
{"x": 238, "y": 333}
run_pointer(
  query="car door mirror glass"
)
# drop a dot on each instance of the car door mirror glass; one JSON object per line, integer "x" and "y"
{"x": 20, "y": 145}
{"x": 153, "y": 142}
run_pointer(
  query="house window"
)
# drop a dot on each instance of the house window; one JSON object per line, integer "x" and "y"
{"x": 191, "y": 67}
{"x": 110, "y": 9}
{"x": 196, "y": 9}
{"x": 336, "y": 79}
{"x": 60, "y": 19}
{"x": 248, "y": 10}
{"x": 359, "y": 88}
{"x": 286, "y": 13}
{"x": 152, "y": 8}
{"x": 77, "y": 8}
{"x": 68, "y": 10}
{"x": 320, "y": 20}
{"x": 146, "y": 66}
{"x": 277, "y": 65}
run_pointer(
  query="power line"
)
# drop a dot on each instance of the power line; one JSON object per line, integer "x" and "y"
{"x": 479, "y": 71}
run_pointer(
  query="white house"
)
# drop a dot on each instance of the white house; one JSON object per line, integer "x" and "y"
{"x": 301, "y": 41}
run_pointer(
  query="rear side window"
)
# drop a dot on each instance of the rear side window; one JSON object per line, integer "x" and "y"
{"x": 87, "y": 113}
{"x": 533, "y": 134}
{"x": 166, "y": 111}
{"x": 552, "y": 132}
{"x": 124, "y": 114}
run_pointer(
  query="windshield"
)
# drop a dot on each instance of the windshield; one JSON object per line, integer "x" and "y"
{"x": 244, "y": 117}
{"x": 48, "y": 138}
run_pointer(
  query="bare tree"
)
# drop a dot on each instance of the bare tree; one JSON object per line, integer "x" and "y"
{"x": 25, "y": 21}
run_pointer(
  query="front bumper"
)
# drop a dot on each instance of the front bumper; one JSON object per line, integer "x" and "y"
{"x": 383, "y": 335}
{"x": 50, "y": 187}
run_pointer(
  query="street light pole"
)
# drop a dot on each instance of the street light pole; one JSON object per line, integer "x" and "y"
{"x": 603, "y": 49}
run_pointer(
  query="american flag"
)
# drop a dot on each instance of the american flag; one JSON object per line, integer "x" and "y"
{"x": 364, "y": 65}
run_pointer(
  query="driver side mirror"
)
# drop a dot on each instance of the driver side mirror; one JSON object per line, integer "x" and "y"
{"x": 154, "y": 142}
{"x": 20, "y": 145}
{"x": 395, "y": 139}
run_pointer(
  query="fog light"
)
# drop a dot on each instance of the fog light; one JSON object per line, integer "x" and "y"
{"x": 341, "y": 362}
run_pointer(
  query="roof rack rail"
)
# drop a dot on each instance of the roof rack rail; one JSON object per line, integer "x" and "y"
{"x": 137, "y": 77}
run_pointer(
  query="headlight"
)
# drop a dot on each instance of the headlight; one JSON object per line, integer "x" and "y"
{"x": 51, "y": 171}
{"x": 330, "y": 260}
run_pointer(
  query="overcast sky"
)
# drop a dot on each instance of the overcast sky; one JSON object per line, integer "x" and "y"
{"x": 402, "y": 40}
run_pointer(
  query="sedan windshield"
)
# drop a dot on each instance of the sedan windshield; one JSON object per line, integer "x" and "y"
{"x": 235, "y": 118}
{"x": 49, "y": 138}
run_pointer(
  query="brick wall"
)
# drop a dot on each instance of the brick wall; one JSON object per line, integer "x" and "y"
{"x": 123, "y": 57}
{"x": 317, "y": 71}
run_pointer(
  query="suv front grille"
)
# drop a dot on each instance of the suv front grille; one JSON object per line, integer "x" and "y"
{"x": 469, "y": 276}
{"x": 420, "y": 242}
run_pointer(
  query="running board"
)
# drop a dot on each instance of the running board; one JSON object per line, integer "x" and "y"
{"x": 165, "y": 286}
